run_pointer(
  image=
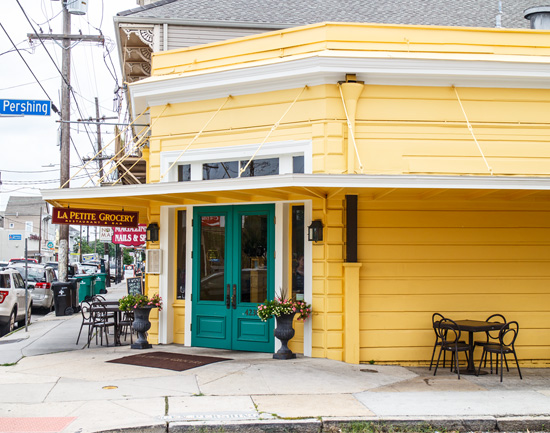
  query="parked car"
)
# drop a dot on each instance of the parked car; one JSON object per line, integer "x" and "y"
{"x": 12, "y": 301}
{"x": 40, "y": 279}
{"x": 90, "y": 268}
{"x": 22, "y": 260}
{"x": 72, "y": 269}
{"x": 3, "y": 265}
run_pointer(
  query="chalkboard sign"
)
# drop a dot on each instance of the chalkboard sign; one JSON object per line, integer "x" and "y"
{"x": 134, "y": 286}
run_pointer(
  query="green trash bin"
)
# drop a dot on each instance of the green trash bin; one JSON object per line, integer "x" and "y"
{"x": 99, "y": 284}
{"x": 86, "y": 288}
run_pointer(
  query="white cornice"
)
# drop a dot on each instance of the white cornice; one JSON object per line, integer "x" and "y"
{"x": 329, "y": 67}
{"x": 325, "y": 181}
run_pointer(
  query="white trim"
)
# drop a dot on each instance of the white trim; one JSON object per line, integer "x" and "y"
{"x": 196, "y": 157}
{"x": 351, "y": 181}
{"x": 308, "y": 281}
{"x": 188, "y": 276}
{"x": 279, "y": 249}
{"x": 329, "y": 67}
{"x": 166, "y": 278}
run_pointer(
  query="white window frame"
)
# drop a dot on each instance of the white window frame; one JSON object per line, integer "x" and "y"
{"x": 284, "y": 150}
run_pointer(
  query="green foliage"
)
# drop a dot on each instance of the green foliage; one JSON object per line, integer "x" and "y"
{"x": 130, "y": 302}
{"x": 373, "y": 427}
{"x": 282, "y": 305}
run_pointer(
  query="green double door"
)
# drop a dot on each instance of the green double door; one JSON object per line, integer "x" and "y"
{"x": 233, "y": 271}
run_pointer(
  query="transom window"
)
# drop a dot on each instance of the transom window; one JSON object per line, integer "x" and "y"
{"x": 225, "y": 162}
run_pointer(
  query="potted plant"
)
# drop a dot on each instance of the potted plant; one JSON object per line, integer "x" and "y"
{"x": 284, "y": 309}
{"x": 141, "y": 306}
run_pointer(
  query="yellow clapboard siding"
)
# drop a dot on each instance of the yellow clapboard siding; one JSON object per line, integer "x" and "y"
{"x": 464, "y": 285}
{"x": 453, "y": 219}
{"x": 454, "y": 269}
{"x": 460, "y": 302}
{"x": 454, "y": 236}
{"x": 422, "y": 320}
{"x": 528, "y": 356}
{"x": 486, "y": 253}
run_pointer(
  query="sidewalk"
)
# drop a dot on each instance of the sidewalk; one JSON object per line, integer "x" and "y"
{"x": 56, "y": 386}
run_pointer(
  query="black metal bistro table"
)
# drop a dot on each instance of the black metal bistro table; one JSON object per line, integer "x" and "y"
{"x": 109, "y": 307}
{"x": 471, "y": 326}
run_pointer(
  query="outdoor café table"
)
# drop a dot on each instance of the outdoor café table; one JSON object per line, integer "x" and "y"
{"x": 471, "y": 326}
{"x": 109, "y": 307}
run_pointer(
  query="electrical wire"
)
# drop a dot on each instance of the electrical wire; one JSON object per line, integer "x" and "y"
{"x": 26, "y": 84}
{"x": 54, "y": 108}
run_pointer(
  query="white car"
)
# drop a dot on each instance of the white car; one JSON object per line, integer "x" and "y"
{"x": 12, "y": 301}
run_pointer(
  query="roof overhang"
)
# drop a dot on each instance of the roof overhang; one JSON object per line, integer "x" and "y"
{"x": 287, "y": 187}
{"x": 329, "y": 67}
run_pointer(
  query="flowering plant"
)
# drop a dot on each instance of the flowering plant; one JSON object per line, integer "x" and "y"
{"x": 130, "y": 302}
{"x": 282, "y": 305}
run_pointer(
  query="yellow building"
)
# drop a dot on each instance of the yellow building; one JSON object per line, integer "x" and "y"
{"x": 423, "y": 152}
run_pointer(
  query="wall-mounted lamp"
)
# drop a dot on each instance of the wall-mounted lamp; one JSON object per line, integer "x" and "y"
{"x": 315, "y": 231}
{"x": 153, "y": 232}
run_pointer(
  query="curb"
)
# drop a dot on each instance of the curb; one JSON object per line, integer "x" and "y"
{"x": 335, "y": 425}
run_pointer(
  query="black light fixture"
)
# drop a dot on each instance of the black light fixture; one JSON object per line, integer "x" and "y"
{"x": 153, "y": 232}
{"x": 315, "y": 231}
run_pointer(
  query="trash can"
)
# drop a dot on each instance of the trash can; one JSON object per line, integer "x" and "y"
{"x": 75, "y": 287}
{"x": 63, "y": 302}
{"x": 99, "y": 284}
{"x": 86, "y": 289}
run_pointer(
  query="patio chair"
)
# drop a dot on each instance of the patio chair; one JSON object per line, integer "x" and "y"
{"x": 125, "y": 325}
{"x": 436, "y": 317}
{"x": 506, "y": 340}
{"x": 491, "y": 337}
{"x": 101, "y": 323}
{"x": 448, "y": 333}
{"x": 85, "y": 311}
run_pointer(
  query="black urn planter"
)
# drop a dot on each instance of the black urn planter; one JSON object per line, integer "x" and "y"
{"x": 141, "y": 325}
{"x": 284, "y": 332}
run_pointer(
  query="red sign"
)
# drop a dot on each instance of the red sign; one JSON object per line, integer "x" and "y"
{"x": 93, "y": 217}
{"x": 212, "y": 221}
{"x": 129, "y": 236}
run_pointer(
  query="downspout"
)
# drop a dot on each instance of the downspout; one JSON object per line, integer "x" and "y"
{"x": 351, "y": 90}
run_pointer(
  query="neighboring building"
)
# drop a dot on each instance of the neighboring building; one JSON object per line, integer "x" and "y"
{"x": 27, "y": 218}
{"x": 421, "y": 150}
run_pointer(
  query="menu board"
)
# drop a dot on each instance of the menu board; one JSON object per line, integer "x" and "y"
{"x": 134, "y": 286}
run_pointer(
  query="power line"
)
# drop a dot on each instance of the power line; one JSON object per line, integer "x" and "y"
{"x": 54, "y": 108}
{"x": 26, "y": 84}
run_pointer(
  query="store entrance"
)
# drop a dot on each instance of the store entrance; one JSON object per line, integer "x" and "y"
{"x": 233, "y": 271}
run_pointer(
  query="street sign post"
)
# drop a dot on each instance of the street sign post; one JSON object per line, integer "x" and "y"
{"x": 25, "y": 107}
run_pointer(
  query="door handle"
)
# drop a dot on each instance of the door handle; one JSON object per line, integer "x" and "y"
{"x": 234, "y": 297}
{"x": 228, "y": 297}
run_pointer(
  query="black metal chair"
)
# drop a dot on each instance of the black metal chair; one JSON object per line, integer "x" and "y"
{"x": 85, "y": 311}
{"x": 436, "y": 318}
{"x": 101, "y": 323}
{"x": 506, "y": 341}
{"x": 125, "y": 325}
{"x": 448, "y": 333}
{"x": 491, "y": 337}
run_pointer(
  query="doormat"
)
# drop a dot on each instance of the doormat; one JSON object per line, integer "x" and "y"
{"x": 168, "y": 361}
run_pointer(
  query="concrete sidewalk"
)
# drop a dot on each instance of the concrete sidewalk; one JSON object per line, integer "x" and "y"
{"x": 57, "y": 386}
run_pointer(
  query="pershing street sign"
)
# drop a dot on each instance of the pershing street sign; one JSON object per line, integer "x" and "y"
{"x": 25, "y": 107}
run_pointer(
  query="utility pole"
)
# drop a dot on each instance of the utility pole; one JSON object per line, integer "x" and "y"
{"x": 99, "y": 145}
{"x": 65, "y": 171}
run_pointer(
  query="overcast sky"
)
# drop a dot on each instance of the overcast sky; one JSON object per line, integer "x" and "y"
{"x": 29, "y": 145}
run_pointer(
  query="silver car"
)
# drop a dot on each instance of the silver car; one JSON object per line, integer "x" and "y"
{"x": 40, "y": 279}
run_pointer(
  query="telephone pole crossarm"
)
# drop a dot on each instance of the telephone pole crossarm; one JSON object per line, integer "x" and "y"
{"x": 60, "y": 37}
